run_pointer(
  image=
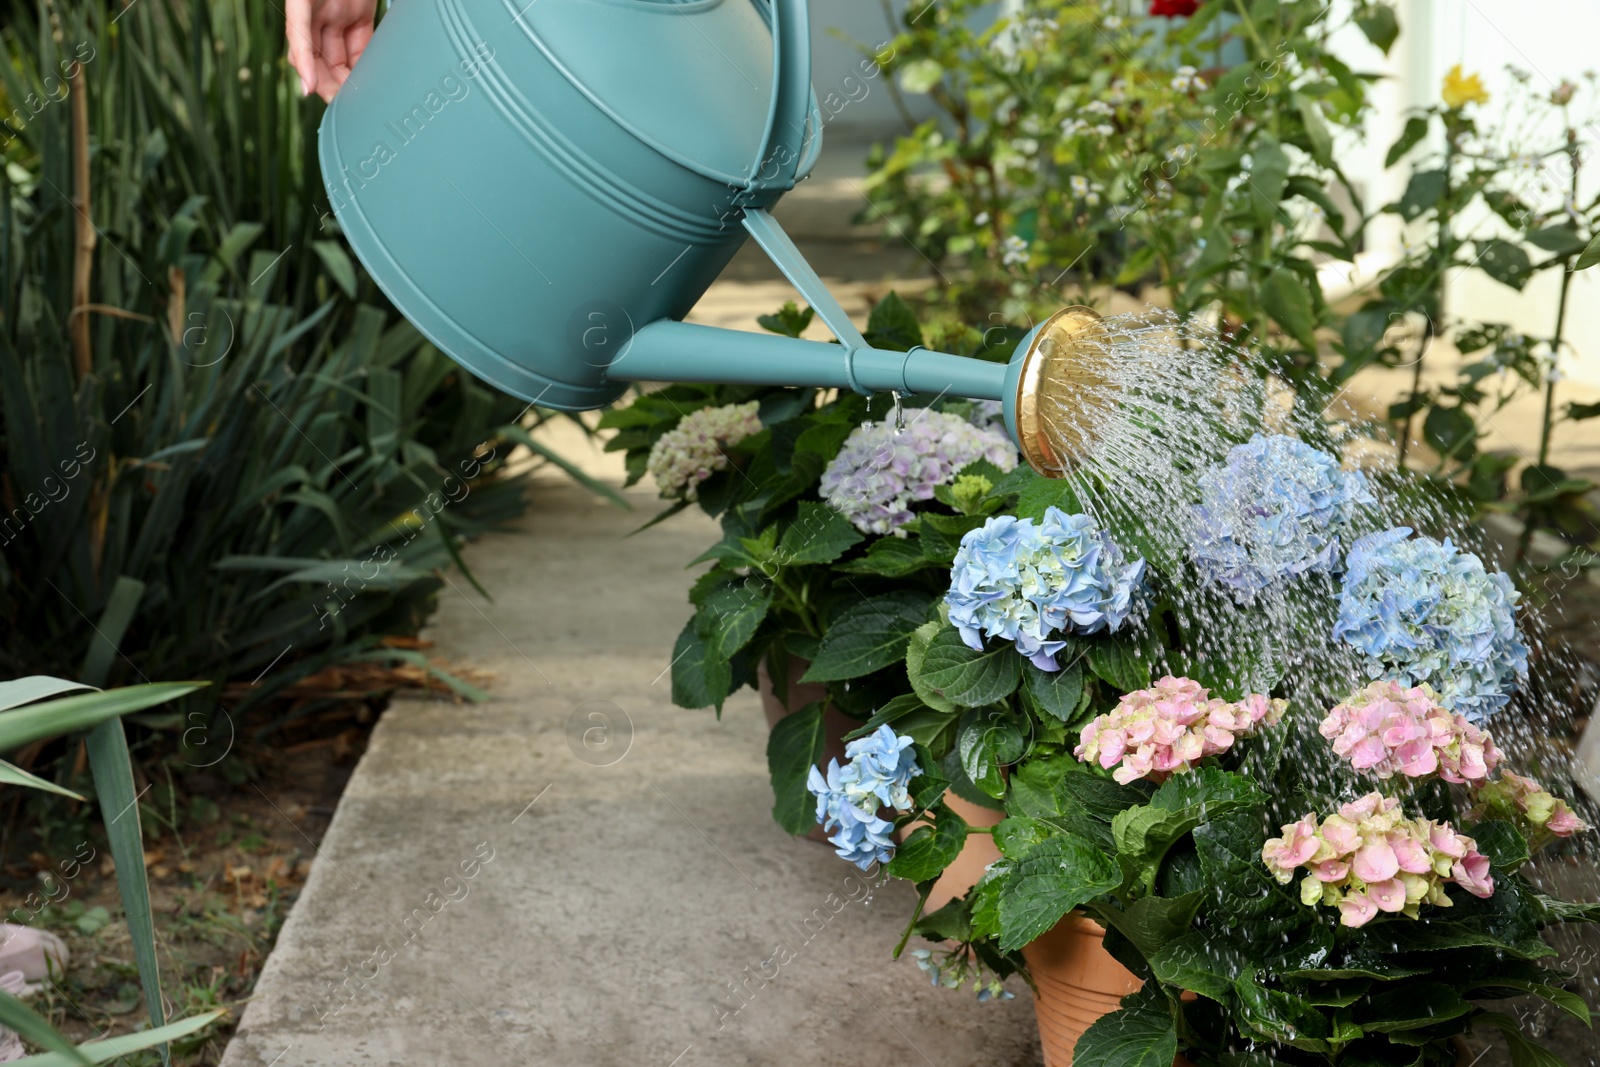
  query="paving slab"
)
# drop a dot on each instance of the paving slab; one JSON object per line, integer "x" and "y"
{"x": 578, "y": 872}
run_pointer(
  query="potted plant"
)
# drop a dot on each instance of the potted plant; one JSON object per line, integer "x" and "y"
{"x": 1253, "y": 811}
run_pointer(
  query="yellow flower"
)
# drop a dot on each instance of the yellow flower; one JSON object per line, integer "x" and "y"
{"x": 1462, "y": 89}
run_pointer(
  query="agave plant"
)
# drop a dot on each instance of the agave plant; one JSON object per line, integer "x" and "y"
{"x": 39, "y": 707}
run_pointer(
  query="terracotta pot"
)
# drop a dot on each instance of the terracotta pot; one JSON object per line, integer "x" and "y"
{"x": 835, "y": 723}
{"x": 1077, "y": 980}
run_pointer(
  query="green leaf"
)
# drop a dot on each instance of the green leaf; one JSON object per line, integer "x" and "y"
{"x": 794, "y": 746}
{"x": 1503, "y": 843}
{"x": 895, "y": 710}
{"x": 20, "y": 691}
{"x": 987, "y": 741}
{"x": 65, "y": 715}
{"x": 1050, "y": 880}
{"x": 112, "y": 770}
{"x": 1317, "y": 135}
{"x": 1152, "y": 923}
{"x": 1563, "y": 240}
{"x": 1505, "y": 262}
{"x": 700, "y": 677}
{"x": 730, "y": 615}
{"x": 16, "y": 1015}
{"x": 1451, "y": 432}
{"x": 1590, "y": 255}
{"x": 930, "y": 849}
{"x": 967, "y": 677}
{"x": 868, "y": 636}
{"x": 1041, "y": 494}
{"x": 1246, "y": 896}
{"x": 1417, "y": 1004}
{"x": 1415, "y": 130}
{"x": 1286, "y": 299}
{"x": 1269, "y": 174}
{"x": 891, "y": 557}
{"x": 1142, "y": 1036}
{"x": 1200, "y": 964}
{"x": 1057, "y": 692}
{"x": 1524, "y": 1052}
{"x": 893, "y": 325}
{"x": 1016, "y": 834}
{"x": 818, "y": 535}
{"x": 1144, "y": 834}
{"x": 920, "y": 75}
{"x": 789, "y": 321}
{"x": 10, "y": 774}
{"x": 916, "y": 659}
{"x": 1117, "y": 660}
{"x": 1382, "y": 28}
{"x": 1570, "y": 1003}
{"x": 1422, "y": 192}
{"x": 1280, "y": 1016}
{"x": 338, "y": 263}
{"x": 116, "y": 1048}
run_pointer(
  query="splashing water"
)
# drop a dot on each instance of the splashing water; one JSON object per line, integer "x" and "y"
{"x": 1141, "y": 407}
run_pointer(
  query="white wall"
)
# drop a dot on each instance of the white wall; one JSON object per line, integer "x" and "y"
{"x": 834, "y": 60}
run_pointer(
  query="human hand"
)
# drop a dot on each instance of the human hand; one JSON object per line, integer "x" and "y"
{"x": 326, "y": 37}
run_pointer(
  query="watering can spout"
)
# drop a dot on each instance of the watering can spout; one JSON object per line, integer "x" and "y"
{"x": 546, "y": 190}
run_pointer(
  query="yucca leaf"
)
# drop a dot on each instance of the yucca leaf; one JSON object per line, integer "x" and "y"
{"x": 27, "y": 1022}
{"x": 113, "y": 1048}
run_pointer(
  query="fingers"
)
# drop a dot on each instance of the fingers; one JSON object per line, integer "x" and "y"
{"x": 355, "y": 41}
{"x": 297, "y": 30}
{"x": 329, "y": 79}
{"x": 332, "y": 38}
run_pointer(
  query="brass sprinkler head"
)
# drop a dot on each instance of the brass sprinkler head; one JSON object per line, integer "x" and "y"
{"x": 1063, "y": 388}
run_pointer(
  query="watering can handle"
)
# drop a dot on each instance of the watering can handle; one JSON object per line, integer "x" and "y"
{"x": 789, "y": 117}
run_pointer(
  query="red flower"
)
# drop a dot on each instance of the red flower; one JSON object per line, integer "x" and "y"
{"x": 1174, "y": 9}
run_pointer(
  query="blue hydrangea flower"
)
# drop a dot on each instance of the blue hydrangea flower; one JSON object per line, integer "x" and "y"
{"x": 1422, "y": 612}
{"x": 1032, "y": 583}
{"x": 848, "y": 798}
{"x": 1276, "y": 508}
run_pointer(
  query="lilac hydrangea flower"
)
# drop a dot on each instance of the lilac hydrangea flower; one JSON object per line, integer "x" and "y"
{"x": 1277, "y": 508}
{"x": 880, "y": 472}
{"x": 1032, "y": 583}
{"x": 1423, "y": 613}
{"x": 848, "y": 798}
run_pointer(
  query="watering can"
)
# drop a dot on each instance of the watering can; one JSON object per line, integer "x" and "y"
{"x": 546, "y": 187}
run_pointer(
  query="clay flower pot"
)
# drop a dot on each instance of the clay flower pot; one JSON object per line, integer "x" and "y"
{"x": 1077, "y": 980}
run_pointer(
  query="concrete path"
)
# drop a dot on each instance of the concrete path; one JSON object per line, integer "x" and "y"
{"x": 548, "y": 902}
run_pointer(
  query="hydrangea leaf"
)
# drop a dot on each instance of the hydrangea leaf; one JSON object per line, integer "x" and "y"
{"x": 700, "y": 677}
{"x": 892, "y": 712}
{"x": 729, "y": 616}
{"x": 1524, "y": 1053}
{"x": 868, "y": 636}
{"x": 916, "y": 659}
{"x": 930, "y": 849}
{"x": 1142, "y": 1035}
{"x": 1120, "y": 661}
{"x": 891, "y": 557}
{"x": 1415, "y": 1005}
{"x": 1050, "y": 880}
{"x": 1144, "y": 834}
{"x": 1502, "y": 842}
{"x": 818, "y": 535}
{"x": 1018, "y": 833}
{"x": 1279, "y": 1016}
{"x": 1246, "y": 896}
{"x": 1038, "y": 495}
{"x": 968, "y": 677}
{"x": 794, "y": 746}
{"x": 987, "y": 741}
{"x": 1200, "y": 964}
{"x": 1057, "y": 692}
{"x": 1153, "y": 922}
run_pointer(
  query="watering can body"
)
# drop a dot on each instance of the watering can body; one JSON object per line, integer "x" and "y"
{"x": 546, "y": 187}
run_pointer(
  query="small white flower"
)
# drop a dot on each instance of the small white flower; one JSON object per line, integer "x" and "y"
{"x": 1112, "y": 22}
{"x": 1014, "y": 253}
{"x": 1073, "y": 127}
{"x": 1187, "y": 80}
{"x": 1099, "y": 107}
{"x": 981, "y": 219}
{"x": 1083, "y": 189}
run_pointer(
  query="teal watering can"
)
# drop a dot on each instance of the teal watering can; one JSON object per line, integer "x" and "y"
{"x": 546, "y": 187}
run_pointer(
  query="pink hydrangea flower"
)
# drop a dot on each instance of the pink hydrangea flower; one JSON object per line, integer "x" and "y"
{"x": 1157, "y": 732}
{"x": 1542, "y": 815}
{"x": 1370, "y": 858}
{"x": 1388, "y": 729}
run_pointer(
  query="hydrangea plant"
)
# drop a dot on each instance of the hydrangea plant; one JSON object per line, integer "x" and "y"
{"x": 880, "y": 767}
{"x": 1277, "y": 508}
{"x": 1420, "y": 611}
{"x": 1033, "y": 583}
{"x": 695, "y": 449}
{"x": 884, "y": 468}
